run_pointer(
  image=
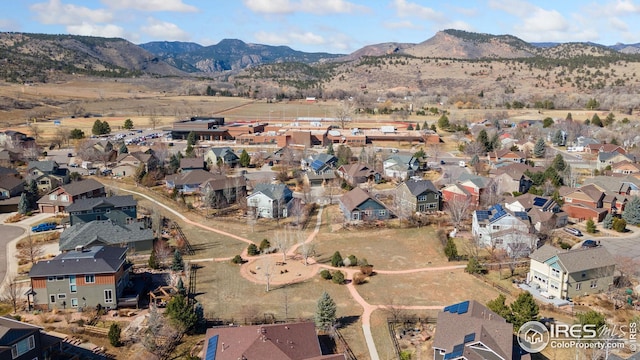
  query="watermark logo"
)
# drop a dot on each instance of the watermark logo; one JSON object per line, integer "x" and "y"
{"x": 533, "y": 336}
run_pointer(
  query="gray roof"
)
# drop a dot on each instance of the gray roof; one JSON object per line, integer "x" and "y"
{"x": 7, "y": 171}
{"x": 355, "y": 198}
{"x": 192, "y": 163}
{"x": 103, "y": 231}
{"x": 324, "y": 157}
{"x": 480, "y": 181}
{"x": 44, "y": 166}
{"x": 193, "y": 177}
{"x": 10, "y": 181}
{"x": 221, "y": 151}
{"x": 12, "y": 330}
{"x": 82, "y": 186}
{"x": 614, "y": 183}
{"x": 115, "y": 201}
{"x": 604, "y": 156}
{"x": 94, "y": 260}
{"x": 273, "y": 191}
{"x": 479, "y": 323}
{"x": 417, "y": 187}
{"x": 576, "y": 260}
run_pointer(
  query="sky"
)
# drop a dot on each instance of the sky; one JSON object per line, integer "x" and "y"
{"x": 334, "y": 26}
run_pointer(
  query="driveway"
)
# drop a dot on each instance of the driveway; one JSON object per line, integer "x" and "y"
{"x": 9, "y": 234}
{"x": 625, "y": 246}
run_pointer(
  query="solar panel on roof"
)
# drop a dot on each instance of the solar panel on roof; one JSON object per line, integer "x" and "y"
{"x": 212, "y": 346}
{"x": 457, "y": 351}
{"x": 453, "y": 308}
{"x": 538, "y": 201}
{"x": 469, "y": 337}
{"x": 463, "y": 307}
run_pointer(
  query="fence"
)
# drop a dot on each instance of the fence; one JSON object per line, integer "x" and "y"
{"x": 96, "y": 330}
{"x": 405, "y": 320}
{"x": 497, "y": 286}
{"x": 187, "y": 246}
{"x": 348, "y": 353}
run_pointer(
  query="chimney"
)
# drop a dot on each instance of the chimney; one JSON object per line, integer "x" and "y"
{"x": 222, "y": 347}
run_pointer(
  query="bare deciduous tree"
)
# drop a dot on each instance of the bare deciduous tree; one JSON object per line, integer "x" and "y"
{"x": 14, "y": 293}
{"x": 344, "y": 113}
{"x": 459, "y": 210}
{"x": 29, "y": 249}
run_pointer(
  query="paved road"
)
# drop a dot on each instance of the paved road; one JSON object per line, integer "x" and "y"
{"x": 9, "y": 234}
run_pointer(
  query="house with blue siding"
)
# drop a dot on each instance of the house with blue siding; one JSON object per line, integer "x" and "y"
{"x": 358, "y": 205}
{"x": 271, "y": 200}
{"x": 121, "y": 210}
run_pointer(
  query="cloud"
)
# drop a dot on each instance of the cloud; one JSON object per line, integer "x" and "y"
{"x": 151, "y": 5}
{"x": 55, "y": 12}
{"x": 305, "y": 6}
{"x": 519, "y": 8}
{"x": 392, "y": 25}
{"x": 544, "y": 20}
{"x": 164, "y": 30}
{"x": 625, "y": 7}
{"x": 96, "y": 30}
{"x": 458, "y": 25}
{"x": 306, "y": 38}
{"x": 618, "y": 24}
{"x": 408, "y": 9}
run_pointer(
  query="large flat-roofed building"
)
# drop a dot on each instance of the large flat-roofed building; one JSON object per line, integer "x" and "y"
{"x": 205, "y": 128}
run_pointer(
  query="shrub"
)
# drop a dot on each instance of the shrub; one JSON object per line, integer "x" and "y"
{"x": 564, "y": 245}
{"x": 619, "y": 225}
{"x": 366, "y": 269}
{"x": 359, "y": 278}
{"x": 353, "y": 260}
{"x": 252, "y": 250}
{"x": 336, "y": 259}
{"x": 325, "y": 274}
{"x": 337, "y": 277}
{"x": 237, "y": 260}
{"x": 114, "y": 334}
{"x": 264, "y": 245}
{"x": 591, "y": 227}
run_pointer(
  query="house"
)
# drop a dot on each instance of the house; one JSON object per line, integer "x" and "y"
{"x": 512, "y": 178}
{"x": 625, "y": 167}
{"x": 525, "y": 145}
{"x": 81, "y": 278}
{"x": 11, "y": 185}
{"x": 609, "y": 158}
{"x": 189, "y": 182}
{"x": 271, "y": 200}
{"x": 583, "y": 143}
{"x": 227, "y": 189}
{"x": 291, "y": 341}
{"x": 190, "y": 164}
{"x": 470, "y": 331}
{"x": 121, "y": 210}
{"x": 597, "y": 148}
{"x": 8, "y": 157}
{"x": 134, "y": 235}
{"x": 627, "y": 185}
{"x": 506, "y": 155}
{"x": 356, "y": 174}
{"x": 222, "y": 155}
{"x": 456, "y": 193}
{"x": 418, "y": 196}
{"x": 475, "y": 186}
{"x": 56, "y": 200}
{"x": 47, "y": 174}
{"x": 544, "y": 212}
{"x": 357, "y": 205}
{"x": 313, "y": 179}
{"x": 128, "y": 164}
{"x": 590, "y": 202}
{"x": 319, "y": 163}
{"x": 399, "y": 166}
{"x": 499, "y": 229}
{"x": 567, "y": 274}
{"x": 22, "y": 341}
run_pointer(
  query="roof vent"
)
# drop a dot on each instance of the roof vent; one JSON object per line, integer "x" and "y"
{"x": 79, "y": 248}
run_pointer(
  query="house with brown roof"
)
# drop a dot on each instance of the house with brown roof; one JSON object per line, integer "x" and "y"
{"x": 189, "y": 182}
{"x": 512, "y": 178}
{"x": 544, "y": 212}
{"x": 358, "y": 204}
{"x": 623, "y": 185}
{"x": 590, "y": 202}
{"x": 470, "y": 331}
{"x": 506, "y": 155}
{"x": 596, "y": 148}
{"x": 47, "y": 174}
{"x": 358, "y": 173}
{"x": 190, "y": 164}
{"x": 227, "y": 189}
{"x": 609, "y": 158}
{"x": 566, "y": 274}
{"x": 57, "y": 200}
{"x": 128, "y": 164}
{"x": 11, "y": 185}
{"x": 292, "y": 341}
{"x": 625, "y": 167}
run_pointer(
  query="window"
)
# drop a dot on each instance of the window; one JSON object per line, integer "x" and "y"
{"x": 23, "y": 346}
{"x": 89, "y": 279}
{"x": 578, "y": 286}
{"x": 59, "y": 278}
{"x": 64, "y": 197}
{"x": 107, "y": 211}
{"x": 594, "y": 284}
{"x": 108, "y": 296}
{"x": 52, "y": 299}
{"x": 382, "y": 212}
{"x": 97, "y": 211}
{"x": 72, "y": 284}
{"x": 436, "y": 196}
{"x": 53, "y": 197}
{"x": 422, "y": 198}
{"x": 51, "y": 278}
{"x": 62, "y": 296}
{"x": 483, "y": 225}
{"x": 555, "y": 272}
{"x": 495, "y": 227}
{"x": 74, "y": 302}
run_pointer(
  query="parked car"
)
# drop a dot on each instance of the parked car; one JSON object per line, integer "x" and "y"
{"x": 573, "y": 231}
{"x": 69, "y": 155}
{"x": 92, "y": 171}
{"x": 442, "y": 162}
{"x": 44, "y": 227}
{"x": 589, "y": 244}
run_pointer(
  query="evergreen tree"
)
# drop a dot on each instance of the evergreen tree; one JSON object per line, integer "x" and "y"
{"x": 592, "y": 104}
{"x": 178, "y": 263}
{"x": 114, "y": 334}
{"x": 264, "y": 245}
{"x": 191, "y": 139}
{"x": 180, "y": 287}
{"x": 607, "y": 223}
{"x": 483, "y": 139}
{"x": 336, "y": 259}
{"x": 245, "y": 159}
{"x": 558, "y": 163}
{"x": 425, "y": 126}
{"x": 443, "y": 122}
{"x": 592, "y": 317}
{"x": 252, "y": 250}
{"x": 450, "y": 250}
{"x": 32, "y": 194}
{"x": 524, "y": 309}
{"x": 23, "y": 204}
{"x": 140, "y": 173}
{"x": 433, "y": 127}
{"x": 174, "y": 163}
{"x": 547, "y": 122}
{"x": 417, "y": 127}
{"x": 499, "y": 307}
{"x": 76, "y": 134}
{"x": 473, "y": 266}
{"x": 326, "y": 309}
{"x": 128, "y": 124}
{"x": 337, "y": 277}
{"x": 97, "y": 127}
{"x": 539, "y": 148}
{"x": 558, "y": 139}
{"x": 610, "y": 119}
{"x": 569, "y": 117}
{"x": 595, "y": 120}
{"x": 153, "y": 259}
{"x": 181, "y": 313}
{"x": 410, "y": 127}
{"x": 123, "y": 149}
{"x": 631, "y": 212}
{"x": 591, "y": 226}
{"x": 189, "y": 151}
{"x": 330, "y": 149}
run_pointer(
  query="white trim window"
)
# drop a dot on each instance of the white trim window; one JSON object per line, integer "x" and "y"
{"x": 23, "y": 346}
{"x": 108, "y": 296}
{"x": 89, "y": 279}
